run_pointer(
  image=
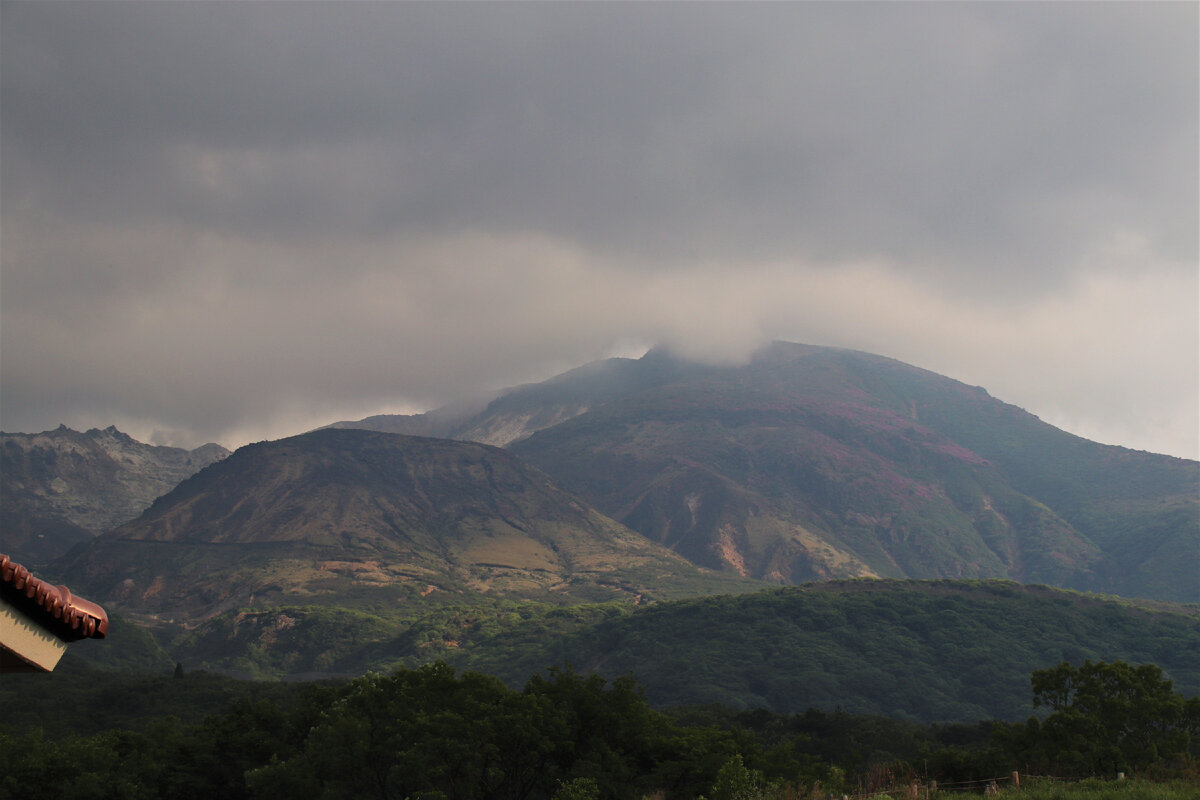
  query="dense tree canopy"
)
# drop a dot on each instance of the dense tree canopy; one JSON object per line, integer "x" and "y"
{"x": 429, "y": 732}
{"x": 435, "y": 733}
{"x": 1108, "y": 717}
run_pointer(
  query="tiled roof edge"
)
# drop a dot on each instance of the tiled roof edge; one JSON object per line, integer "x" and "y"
{"x": 68, "y": 617}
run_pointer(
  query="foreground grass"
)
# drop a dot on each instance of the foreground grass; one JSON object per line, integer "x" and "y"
{"x": 1043, "y": 789}
{"x": 1096, "y": 789}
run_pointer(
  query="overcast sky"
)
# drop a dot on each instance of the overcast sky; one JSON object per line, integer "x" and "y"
{"x": 230, "y": 222}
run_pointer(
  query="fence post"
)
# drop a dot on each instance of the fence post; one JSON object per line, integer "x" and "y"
{"x": 1016, "y": 779}
{"x": 933, "y": 787}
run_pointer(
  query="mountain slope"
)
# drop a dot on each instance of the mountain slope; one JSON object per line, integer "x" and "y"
{"x": 62, "y": 487}
{"x": 927, "y": 650}
{"x": 360, "y": 517}
{"x": 812, "y": 463}
{"x": 523, "y": 410}
{"x": 1140, "y": 508}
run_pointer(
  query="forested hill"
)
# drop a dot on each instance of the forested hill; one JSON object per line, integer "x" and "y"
{"x": 921, "y": 650}
{"x": 932, "y": 651}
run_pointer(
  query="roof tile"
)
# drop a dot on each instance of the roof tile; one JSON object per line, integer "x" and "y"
{"x": 69, "y": 617}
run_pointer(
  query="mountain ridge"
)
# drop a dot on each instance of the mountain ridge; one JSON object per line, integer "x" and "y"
{"x": 812, "y": 463}
{"x": 61, "y": 487}
{"x": 383, "y": 517}
{"x": 879, "y": 450}
{"x": 517, "y": 412}
{"x": 807, "y": 463}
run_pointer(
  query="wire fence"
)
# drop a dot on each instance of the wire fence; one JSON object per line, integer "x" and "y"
{"x": 917, "y": 790}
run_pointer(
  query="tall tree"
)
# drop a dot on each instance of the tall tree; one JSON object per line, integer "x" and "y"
{"x": 1111, "y": 717}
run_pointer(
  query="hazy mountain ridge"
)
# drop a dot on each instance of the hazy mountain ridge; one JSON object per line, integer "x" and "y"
{"x": 381, "y": 517}
{"x": 1141, "y": 509}
{"x": 61, "y": 487}
{"x": 343, "y": 550}
{"x": 812, "y": 463}
{"x": 518, "y": 412}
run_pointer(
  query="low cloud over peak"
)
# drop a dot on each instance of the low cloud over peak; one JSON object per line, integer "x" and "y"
{"x": 221, "y": 218}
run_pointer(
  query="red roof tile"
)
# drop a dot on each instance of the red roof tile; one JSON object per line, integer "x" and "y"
{"x": 70, "y": 618}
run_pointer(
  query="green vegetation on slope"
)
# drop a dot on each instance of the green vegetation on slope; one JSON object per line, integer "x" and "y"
{"x": 918, "y": 650}
{"x": 930, "y": 651}
{"x": 313, "y": 641}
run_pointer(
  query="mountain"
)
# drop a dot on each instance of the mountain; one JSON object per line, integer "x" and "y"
{"x": 521, "y": 411}
{"x": 61, "y": 487}
{"x": 370, "y": 519}
{"x": 813, "y": 463}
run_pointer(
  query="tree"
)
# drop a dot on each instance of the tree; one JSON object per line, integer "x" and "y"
{"x": 736, "y": 782}
{"x": 578, "y": 789}
{"x": 420, "y": 733}
{"x": 1106, "y": 718}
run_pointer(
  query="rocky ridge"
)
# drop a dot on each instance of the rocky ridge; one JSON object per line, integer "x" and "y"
{"x": 60, "y": 487}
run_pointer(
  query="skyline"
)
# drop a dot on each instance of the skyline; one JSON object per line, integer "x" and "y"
{"x": 236, "y": 222}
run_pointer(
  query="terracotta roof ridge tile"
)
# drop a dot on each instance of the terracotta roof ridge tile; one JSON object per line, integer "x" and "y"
{"x": 68, "y": 616}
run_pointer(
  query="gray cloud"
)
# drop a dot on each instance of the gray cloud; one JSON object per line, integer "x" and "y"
{"x": 228, "y": 218}
{"x": 926, "y": 132}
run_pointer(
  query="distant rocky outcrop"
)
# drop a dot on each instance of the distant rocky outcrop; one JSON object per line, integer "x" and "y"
{"x": 61, "y": 487}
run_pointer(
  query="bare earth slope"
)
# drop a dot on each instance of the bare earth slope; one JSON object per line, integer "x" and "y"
{"x": 367, "y": 518}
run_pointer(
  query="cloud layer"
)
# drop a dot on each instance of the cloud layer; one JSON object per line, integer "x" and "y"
{"x": 235, "y": 221}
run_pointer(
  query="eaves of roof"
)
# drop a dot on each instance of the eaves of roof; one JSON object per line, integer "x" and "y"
{"x": 68, "y": 617}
